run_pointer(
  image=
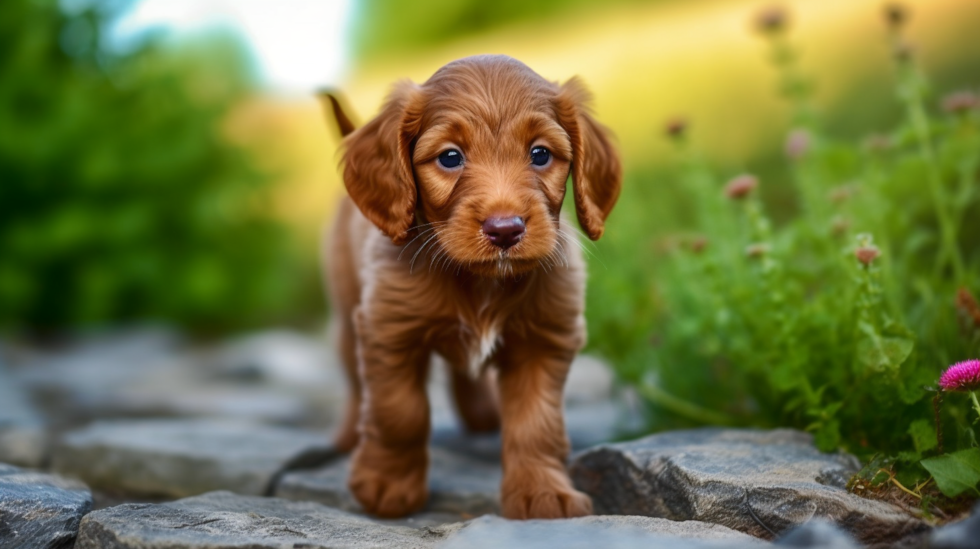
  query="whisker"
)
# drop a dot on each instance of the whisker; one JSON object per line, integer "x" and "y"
{"x": 405, "y": 247}
{"x": 411, "y": 265}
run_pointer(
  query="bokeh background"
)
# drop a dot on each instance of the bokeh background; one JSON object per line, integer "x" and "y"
{"x": 167, "y": 161}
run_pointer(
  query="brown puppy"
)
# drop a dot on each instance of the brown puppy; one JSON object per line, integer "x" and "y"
{"x": 453, "y": 245}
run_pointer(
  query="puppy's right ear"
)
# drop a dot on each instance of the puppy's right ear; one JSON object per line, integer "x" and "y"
{"x": 378, "y": 163}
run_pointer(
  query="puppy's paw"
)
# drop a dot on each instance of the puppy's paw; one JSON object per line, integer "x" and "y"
{"x": 390, "y": 491}
{"x": 544, "y": 501}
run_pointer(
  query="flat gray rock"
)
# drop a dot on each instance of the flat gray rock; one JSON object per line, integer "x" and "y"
{"x": 457, "y": 484}
{"x": 273, "y": 377}
{"x": 220, "y": 520}
{"x": 23, "y": 440}
{"x": 39, "y": 511}
{"x": 817, "y": 534}
{"x": 608, "y": 532}
{"x": 182, "y": 457}
{"x": 762, "y": 483}
{"x": 964, "y": 534}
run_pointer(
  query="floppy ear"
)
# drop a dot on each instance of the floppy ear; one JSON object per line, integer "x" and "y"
{"x": 378, "y": 163}
{"x": 596, "y": 171}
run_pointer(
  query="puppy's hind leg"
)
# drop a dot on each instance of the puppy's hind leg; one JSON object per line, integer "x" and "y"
{"x": 476, "y": 401}
{"x": 346, "y": 436}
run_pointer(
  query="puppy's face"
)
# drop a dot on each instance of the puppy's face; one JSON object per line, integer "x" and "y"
{"x": 473, "y": 166}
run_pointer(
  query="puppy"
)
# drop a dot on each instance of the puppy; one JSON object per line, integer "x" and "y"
{"x": 452, "y": 243}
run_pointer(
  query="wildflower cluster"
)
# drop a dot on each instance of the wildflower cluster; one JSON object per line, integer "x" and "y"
{"x": 839, "y": 318}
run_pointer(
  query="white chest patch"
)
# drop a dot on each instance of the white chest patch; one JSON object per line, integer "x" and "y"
{"x": 481, "y": 349}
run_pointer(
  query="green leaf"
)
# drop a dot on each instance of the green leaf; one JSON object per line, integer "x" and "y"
{"x": 957, "y": 472}
{"x": 923, "y": 435}
{"x": 882, "y": 353}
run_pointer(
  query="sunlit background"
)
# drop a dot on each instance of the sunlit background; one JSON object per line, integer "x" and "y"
{"x": 167, "y": 161}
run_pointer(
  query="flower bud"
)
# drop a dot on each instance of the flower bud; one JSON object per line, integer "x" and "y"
{"x": 676, "y": 128}
{"x": 877, "y": 142}
{"x": 771, "y": 20}
{"x": 757, "y": 250}
{"x": 866, "y": 254}
{"x": 960, "y": 102}
{"x": 962, "y": 376}
{"x": 698, "y": 244}
{"x": 741, "y": 186}
{"x": 896, "y": 15}
{"x": 797, "y": 144}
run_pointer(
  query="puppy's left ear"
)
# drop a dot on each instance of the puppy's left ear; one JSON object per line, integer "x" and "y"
{"x": 596, "y": 171}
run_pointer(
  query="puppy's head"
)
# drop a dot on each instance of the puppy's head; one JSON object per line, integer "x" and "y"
{"x": 474, "y": 163}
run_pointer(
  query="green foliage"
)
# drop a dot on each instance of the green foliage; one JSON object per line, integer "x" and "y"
{"x": 956, "y": 473}
{"x": 839, "y": 319}
{"x": 384, "y": 26}
{"x": 120, "y": 198}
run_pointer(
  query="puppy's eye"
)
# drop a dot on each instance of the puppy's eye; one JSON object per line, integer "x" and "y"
{"x": 450, "y": 159}
{"x": 540, "y": 156}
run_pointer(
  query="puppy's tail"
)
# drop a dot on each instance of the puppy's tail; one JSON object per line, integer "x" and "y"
{"x": 333, "y": 103}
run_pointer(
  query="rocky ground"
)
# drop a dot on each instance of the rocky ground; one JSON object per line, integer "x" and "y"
{"x": 137, "y": 439}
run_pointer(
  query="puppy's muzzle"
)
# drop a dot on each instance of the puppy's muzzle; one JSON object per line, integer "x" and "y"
{"x": 504, "y": 232}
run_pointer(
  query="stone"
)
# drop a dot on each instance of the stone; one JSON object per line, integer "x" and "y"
{"x": 150, "y": 374}
{"x": 817, "y": 534}
{"x": 762, "y": 483}
{"x": 964, "y": 534}
{"x": 458, "y": 485}
{"x": 183, "y": 457}
{"x": 608, "y": 532}
{"x": 589, "y": 381}
{"x": 278, "y": 356}
{"x": 78, "y": 382}
{"x": 220, "y": 520}
{"x": 23, "y": 438}
{"x": 40, "y": 511}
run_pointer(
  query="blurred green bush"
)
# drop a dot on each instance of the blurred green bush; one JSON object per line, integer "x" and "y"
{"x": 120, "y": 199}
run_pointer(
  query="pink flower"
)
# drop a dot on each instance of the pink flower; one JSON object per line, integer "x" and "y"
{"x": 741, "y": 186}
{"x": 797, "y": 144}
{"x": 962, "y": 376}
{"x": 867, "y": 254}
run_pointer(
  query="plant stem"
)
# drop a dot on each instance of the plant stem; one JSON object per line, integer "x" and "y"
{"x": 682, "y": 407}
{"x": 947, "y": 228}
{"x": 976, "y": 405}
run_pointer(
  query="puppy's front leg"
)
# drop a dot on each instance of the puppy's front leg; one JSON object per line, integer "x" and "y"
{"x": 535, "y": 446}
{"x": 389, "y": 466}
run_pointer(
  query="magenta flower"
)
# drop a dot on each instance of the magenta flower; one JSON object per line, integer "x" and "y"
{"x": 962, "y": 376}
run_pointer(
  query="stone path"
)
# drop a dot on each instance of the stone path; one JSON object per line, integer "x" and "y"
{"x": 40, "y": 511}
{"x": 762, "y": 483}
{"x": 145, "y": 419}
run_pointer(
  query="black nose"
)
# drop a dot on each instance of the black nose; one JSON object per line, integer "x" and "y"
{"x": 504, "y": 231}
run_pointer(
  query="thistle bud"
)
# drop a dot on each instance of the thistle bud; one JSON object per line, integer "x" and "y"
{"x": 757, "y": 250}
{"x": 797, "y": 144}
{"x": 741, "y": 186}
{"x": 866, "y": 254}
{"x": 676, "y": 128}
{"x": 771, "y": 20}
{"x": 896, "y": 15}
{"x": 698, "y": 244}
{"x": 838, "y": 195}
{"x": 960, "y": 102}
{"x": 877, "y": 143}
